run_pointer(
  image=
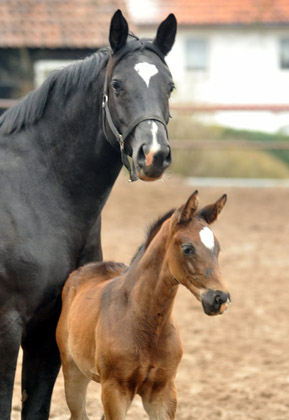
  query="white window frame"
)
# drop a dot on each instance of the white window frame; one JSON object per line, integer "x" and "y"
{"x": 196, "y": 53}
{"x": 284, "y": 53}
{"x": 42, "y": 69}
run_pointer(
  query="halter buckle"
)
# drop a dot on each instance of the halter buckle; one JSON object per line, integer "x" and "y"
{"x": 121, "y": 142}
{"x": 104, "y": 100}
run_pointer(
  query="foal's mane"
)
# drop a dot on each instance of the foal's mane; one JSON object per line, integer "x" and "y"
{"x": 31, "y": 108}
{"x": 151, "y": 233}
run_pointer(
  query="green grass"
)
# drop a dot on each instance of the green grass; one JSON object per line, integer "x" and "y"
{"x": 226, "y": 163}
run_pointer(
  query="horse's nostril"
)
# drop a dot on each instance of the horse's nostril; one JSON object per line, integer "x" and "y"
{"x": 168, "y": 158}
{"x": 141, "y": 158}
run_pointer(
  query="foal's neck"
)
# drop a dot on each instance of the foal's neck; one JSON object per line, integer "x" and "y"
{"x": 155, "y": 288}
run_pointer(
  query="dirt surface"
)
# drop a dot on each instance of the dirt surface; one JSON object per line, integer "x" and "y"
{"x": 235, "y": 366}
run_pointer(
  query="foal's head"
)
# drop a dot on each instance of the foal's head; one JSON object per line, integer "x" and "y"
{"x": 193, "y": 253}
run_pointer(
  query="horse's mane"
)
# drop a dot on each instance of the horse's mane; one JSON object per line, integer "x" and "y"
{"x": 82, "y": 73}
{"x": 151, "y": 233}
{"x": 31, "y": 108}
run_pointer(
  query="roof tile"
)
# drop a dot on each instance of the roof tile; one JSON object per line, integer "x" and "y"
{"x": 57, "y": 23}
{"x": 211, "y": 12}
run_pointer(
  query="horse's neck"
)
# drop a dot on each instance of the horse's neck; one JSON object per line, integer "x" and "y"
{"x": 155, "y": 288}
{"x": 78, "y": 152}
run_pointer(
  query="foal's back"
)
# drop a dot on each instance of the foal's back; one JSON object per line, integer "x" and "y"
{"x": 89, "y": 274}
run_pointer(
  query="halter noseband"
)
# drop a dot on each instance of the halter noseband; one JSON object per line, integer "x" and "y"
{"x": 121, "y": 137}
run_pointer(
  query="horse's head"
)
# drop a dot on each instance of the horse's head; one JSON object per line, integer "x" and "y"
{"x": 193, "y": 254}
{"x": 136, "y": 92}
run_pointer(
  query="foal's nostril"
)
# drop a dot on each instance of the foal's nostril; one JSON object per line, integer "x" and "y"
{"x": 221, "y": 298}
{"x": 215, "y": 301}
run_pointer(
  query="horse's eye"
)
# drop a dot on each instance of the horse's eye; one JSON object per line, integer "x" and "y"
{"x": 116, "y": 85}
{"x": 171, "y": 88}
{"x": 188, "y": 249}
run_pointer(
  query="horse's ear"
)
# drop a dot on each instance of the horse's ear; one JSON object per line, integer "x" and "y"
{"x": 118, "y": 31}
{"x": 166, "y": 33}
{"x": 187, "y": 211}
{"x": 211, "y": 212}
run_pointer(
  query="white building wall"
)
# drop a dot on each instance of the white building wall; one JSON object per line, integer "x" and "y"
{"x": 243, "y": 68}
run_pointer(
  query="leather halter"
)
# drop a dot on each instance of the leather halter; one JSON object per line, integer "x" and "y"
{"x": 106, "y": 115}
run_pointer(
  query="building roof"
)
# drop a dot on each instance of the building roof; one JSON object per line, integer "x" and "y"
{"x": 211, "y": 12}
{"x": 85, "y": 23}
{"x": 57, "y": 23}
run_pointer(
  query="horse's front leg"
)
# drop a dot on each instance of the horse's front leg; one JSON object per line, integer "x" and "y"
{"x": 41, "y": 363}
{"x": 92, "y": 251}
{"x": 161, "y": 404}
{"x": 10, "y": 338}
{"x": 115, "y": 400}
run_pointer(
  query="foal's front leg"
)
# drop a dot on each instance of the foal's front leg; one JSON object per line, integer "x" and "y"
{"x": 161, "y": 404}
{"x": 115, "y": 400}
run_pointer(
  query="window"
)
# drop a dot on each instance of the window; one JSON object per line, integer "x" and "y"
{"x": 284, "y": 53}
{"x": 196, "y": 54}
{"x": 43, "y": 68}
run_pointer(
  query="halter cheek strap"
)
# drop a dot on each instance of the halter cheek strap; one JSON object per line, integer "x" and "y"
{"x": 122, "y": 137}
{"x": 124, "y": 158}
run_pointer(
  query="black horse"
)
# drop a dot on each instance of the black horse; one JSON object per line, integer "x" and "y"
{"x": 61, "y": 150}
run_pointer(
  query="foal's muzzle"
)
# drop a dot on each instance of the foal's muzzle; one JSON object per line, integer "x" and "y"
{"x": 215, "y": 302}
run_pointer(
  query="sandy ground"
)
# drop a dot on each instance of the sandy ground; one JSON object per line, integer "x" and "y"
{"x": 235, "y": 366}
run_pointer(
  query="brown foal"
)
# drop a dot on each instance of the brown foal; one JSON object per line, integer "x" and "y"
{"x": 116, "y": 324}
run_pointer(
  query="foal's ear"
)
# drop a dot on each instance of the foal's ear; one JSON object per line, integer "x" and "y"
{"x": 118, "y": 31}
{"x": 211, "y": 212}
{"x": 166, "y": 33}
{"x": 187, "y": 211}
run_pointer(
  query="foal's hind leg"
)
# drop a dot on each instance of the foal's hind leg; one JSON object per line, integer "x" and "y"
{"x": 75, "y": 390}
{"x": 161, "y": 404}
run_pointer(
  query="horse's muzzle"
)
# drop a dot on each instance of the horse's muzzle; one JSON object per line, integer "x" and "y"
{"x": 215, "y": 302}
{"x": 151, "y": 164}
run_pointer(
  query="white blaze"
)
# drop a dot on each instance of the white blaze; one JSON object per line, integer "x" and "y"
{"x": 207, "y": 237}
{"x": 146, "y": 71}
{"x": 155, "y": 145}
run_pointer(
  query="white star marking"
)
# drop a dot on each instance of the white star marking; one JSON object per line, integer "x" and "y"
{"x": 146, "y": 71}
{"x": 207, "y": 237}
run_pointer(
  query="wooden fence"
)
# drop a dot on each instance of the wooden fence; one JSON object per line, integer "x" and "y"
{"x": 214, "y": 144}
{"x": 229, "y": 144}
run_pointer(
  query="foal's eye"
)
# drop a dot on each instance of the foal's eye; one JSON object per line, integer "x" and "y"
{"x": 188, "y": 249}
